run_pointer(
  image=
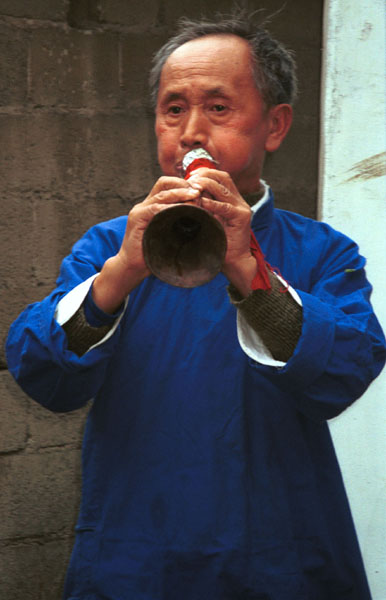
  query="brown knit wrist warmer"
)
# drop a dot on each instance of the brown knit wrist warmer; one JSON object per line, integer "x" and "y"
{"x": 274, "y": 315}
{"x": 80, "y": 335}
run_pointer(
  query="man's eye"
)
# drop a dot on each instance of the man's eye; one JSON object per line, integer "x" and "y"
{"x": 174, "y": 110}
{"x": 218, "y": 107}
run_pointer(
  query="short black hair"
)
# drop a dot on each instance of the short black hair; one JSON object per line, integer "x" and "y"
{"x": 274, "y": 68}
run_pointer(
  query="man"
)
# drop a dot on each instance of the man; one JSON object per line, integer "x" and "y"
{"x": 208, "y": 466}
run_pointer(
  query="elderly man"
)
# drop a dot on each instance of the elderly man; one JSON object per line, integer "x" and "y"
{"x": 209, "y": 471}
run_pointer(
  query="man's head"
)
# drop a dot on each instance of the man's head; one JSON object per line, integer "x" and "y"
{"x": 211, "y": 93}
{"x": 274, "y": 69}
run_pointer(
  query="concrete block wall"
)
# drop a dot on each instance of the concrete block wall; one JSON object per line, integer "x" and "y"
{"x": 77, "y": 147}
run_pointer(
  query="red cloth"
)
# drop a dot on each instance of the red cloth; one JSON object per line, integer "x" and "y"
{"x": 261, "y": 280}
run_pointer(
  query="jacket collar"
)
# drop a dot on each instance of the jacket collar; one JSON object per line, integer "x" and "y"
{"x": 262, "y": 211}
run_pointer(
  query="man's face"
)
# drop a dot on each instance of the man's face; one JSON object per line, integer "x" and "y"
{"x": 207, "y": 98}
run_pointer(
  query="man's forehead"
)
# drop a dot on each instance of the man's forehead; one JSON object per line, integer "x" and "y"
{"x": 216, "y": 48}
{"x": 221, "y": 58}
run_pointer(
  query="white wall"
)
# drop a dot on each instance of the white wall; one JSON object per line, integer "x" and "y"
{"x": 352, "y": 199}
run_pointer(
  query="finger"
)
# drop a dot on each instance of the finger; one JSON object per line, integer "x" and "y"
{"x": 141, "y": 215}
{"x": 222, "y": 188}
{"x": 225, "y": 210}
{"x": 230, "y": 214}
{"x": 174, "y": 195}
{"x": 214, "y": 174}
{"x": 168, "y": 183}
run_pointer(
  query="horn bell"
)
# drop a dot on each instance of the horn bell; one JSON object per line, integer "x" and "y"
{"x": 184, "y": 246}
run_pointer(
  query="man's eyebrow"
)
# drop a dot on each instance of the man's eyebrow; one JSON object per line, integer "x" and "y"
{"x": 171, "y": 96}
{"x": 216, "y": 91}
{"x": 209, "y": 93}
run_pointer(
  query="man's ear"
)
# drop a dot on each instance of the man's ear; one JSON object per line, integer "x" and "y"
{"x": 280, "y": 119}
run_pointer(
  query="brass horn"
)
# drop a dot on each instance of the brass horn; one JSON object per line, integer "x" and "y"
{"x": 185, "y": 245}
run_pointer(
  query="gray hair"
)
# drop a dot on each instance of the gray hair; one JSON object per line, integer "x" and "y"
{"x": 274, "y": 69}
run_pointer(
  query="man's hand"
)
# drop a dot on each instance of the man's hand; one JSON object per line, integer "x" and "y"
{"x": 229, "y": 207}
{"x": 123, "y": 272}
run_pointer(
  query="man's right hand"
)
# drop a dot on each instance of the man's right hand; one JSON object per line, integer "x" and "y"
{"x": 127, "y": 269}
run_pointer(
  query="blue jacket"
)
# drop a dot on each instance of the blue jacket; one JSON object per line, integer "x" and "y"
{"x": 205, "y": 474}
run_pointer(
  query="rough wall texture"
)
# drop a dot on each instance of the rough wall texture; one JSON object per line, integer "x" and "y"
{"x": 77, "y": 147}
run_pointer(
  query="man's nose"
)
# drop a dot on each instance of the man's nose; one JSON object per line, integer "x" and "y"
{"x": 194, "y": 133}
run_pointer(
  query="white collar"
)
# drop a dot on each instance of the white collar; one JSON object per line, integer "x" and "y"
{"x": 262, "y": 200}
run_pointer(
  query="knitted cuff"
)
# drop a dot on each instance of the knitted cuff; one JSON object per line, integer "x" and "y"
{"x": 80, "y": 335}
{"x": 274, "y": 315}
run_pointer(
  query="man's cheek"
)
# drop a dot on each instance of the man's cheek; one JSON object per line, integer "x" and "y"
{"x": 166, "y": 163}
{"x": 166, "y": 151}
{"x": 232, "y": 161}
{"x": 230, "y": 150}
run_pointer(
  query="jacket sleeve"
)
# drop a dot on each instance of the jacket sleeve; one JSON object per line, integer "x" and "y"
{"x": 342, "y": 347}
{"x": 36, "y": 346}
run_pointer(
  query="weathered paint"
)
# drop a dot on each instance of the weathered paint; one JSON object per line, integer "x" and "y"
{"x": 369, "y": 168}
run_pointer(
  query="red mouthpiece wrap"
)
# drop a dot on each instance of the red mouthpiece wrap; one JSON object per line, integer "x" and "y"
{"x": 197, "y": 163}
